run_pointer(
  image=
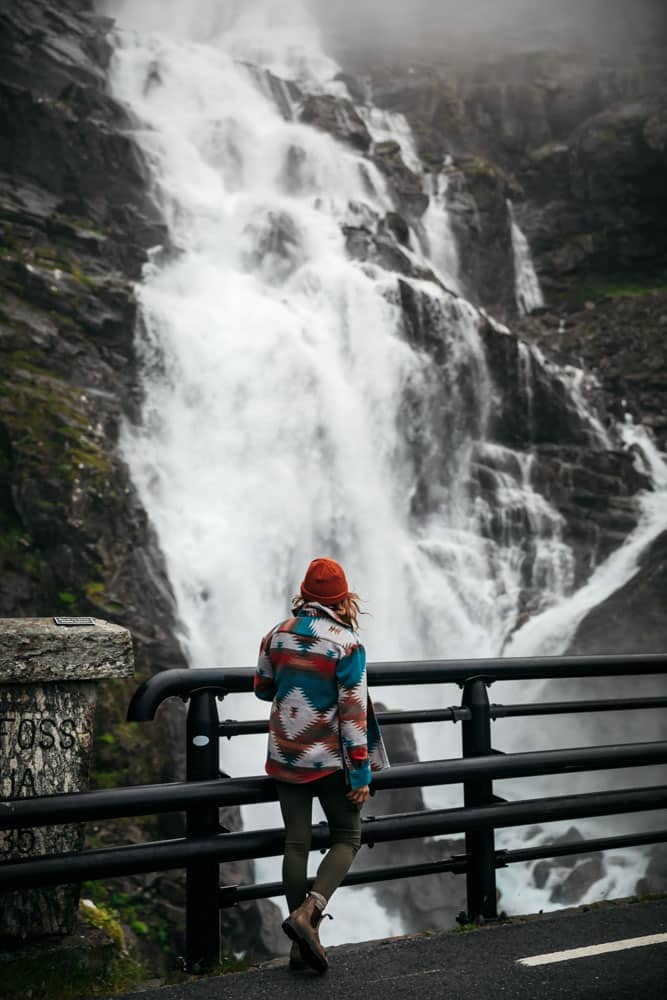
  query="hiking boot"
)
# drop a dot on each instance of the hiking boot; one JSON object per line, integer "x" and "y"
{"x": 296, "y": 962}
{"x": 301, "y": 926}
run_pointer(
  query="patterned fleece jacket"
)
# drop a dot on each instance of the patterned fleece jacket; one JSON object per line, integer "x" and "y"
{"x": 312, "y": 667}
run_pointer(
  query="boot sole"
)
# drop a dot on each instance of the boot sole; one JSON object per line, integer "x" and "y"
{"x": 314, "y": 960}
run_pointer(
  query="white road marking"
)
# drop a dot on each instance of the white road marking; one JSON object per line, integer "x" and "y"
{"x": 593, "y": 949}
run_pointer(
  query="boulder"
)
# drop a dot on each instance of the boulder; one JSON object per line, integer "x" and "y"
{"x": 574, "y": 886}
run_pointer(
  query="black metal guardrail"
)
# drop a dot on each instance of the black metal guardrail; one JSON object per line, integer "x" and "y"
{"x": 207, "y": 789}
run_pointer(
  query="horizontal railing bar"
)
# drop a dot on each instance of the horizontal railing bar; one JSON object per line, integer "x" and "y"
{"x": 522, "y": 765}
{"x": 229, "y": 895}
{"x": 135, "y": 800}
{"x": 581, "y": 847}
{"x": 265, "y": 890}
{"x": 227, "y": 680}
{"x": 162, "y": 856}
{"x": 76, "y": 807}
{"x": 571, "y": 707}
{"x": 452, "y": 714}
{"x": 255, "y": 727}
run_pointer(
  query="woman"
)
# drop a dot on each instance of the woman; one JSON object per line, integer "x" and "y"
{"x": 323, "y": 741}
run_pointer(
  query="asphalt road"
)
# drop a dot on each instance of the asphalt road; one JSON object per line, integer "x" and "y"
{"x": 480, "y": 964}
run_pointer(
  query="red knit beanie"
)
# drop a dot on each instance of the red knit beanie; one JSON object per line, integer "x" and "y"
{"x": 324, "y": 582}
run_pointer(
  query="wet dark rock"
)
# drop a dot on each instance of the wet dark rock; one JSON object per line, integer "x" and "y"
{"x": 358, "y": 86}
{"x": 571, "y": 836}
{"x": 597, "y": 202}
{"x": 406, "y": 185}
{"x": 575, "y": 886}
{"x": 478, "y": 193}
{"x": 572, "y": 875}
{"x": 596, "y": 493}
{"x": 621, "y": 343}
{"x": 541, "y": 872}
{"x": 592, "y": 484}
{"x": 338, "y": 117}
{"x": 633, "y": 618}
{"x": 534, "y": 406}
{"x": 397, "y": 225}
{"x": 362, "y": 244}
{"x": 655, "y": 877}
{"x": 578, "y": 143}
{"x": 285, "y": 94}
{"x": 544, "y": 439}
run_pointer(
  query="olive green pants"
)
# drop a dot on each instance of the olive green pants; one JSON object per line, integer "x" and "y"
{"x": 344, "y": 819}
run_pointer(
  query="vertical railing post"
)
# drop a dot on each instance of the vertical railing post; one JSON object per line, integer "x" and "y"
{"x": 480, "y": 845}
{"x": 202, "y": 919}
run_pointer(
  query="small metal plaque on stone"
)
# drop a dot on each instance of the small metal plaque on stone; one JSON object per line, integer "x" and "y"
{"x": 74, "y": 621}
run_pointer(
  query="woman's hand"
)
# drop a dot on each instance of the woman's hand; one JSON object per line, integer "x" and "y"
{"x": 358, "y": 795}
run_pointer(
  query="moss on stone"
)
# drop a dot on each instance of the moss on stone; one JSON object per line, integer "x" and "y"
{"x": 46, "y": 421}
{"x": 92, "y": 962}
{"x": 18, "y": 552}
{"x": 123, "y": 752}
{"x": 105, "y": 920}
{"x": 132, "y": 910}
{"x": 47, "y": 257}
{"x": 126, "y": 753}
{"x": 82, "y": 223}
{"x": 479, "y": 166}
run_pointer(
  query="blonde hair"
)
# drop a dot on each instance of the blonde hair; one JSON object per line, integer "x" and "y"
{"x": 348, "y": 610}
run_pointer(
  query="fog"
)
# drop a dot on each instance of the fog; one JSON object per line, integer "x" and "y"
{"x": 457, "y": 27}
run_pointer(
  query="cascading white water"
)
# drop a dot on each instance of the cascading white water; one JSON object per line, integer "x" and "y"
{"x": 527, "y": 291}
{"x": 434, "y": 240}
{"x": 286, "y": 414}
{"x": 441, "y": 242}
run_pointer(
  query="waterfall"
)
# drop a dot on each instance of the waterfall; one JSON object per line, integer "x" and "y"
{"x": 441, "y": 242}
{"x": 527, "y": 291}
{"x": 292, "y": 406}
{"x": 434, "y": 238}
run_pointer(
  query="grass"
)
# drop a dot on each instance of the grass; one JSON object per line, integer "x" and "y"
{"x": 631, "y": 288}
{"x": 577, "y": 294}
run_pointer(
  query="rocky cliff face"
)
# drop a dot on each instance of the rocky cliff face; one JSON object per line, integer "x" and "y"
{"x": 75, "y": 226}
{"x": 577, "y": 141}
{"x": 584, "y": 471}
{"x": 75, "y": 223}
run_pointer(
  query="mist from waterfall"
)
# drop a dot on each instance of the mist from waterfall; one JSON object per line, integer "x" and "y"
{"x": 286, "y": 413}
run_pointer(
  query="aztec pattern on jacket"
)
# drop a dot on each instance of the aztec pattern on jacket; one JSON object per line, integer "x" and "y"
{"x": 313, "y": 668}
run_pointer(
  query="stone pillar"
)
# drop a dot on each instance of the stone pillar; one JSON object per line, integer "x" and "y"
{"x": 49, "y": 669}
